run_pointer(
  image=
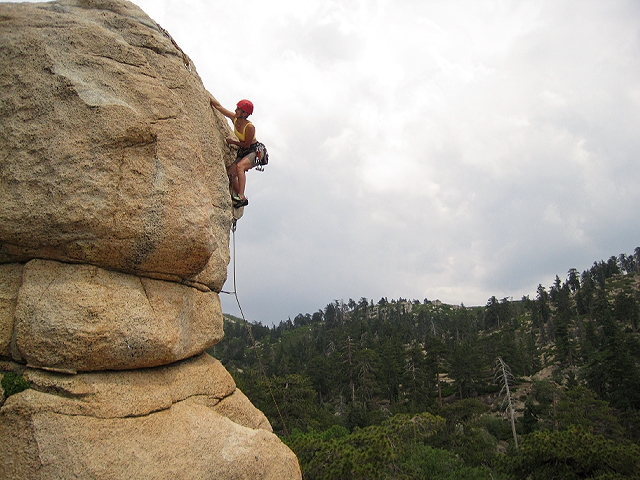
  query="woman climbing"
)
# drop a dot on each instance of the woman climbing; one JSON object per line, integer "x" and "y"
{"x": 250, "y": 152}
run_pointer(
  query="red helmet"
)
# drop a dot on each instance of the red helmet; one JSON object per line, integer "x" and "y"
{"x": 246, "y": 106}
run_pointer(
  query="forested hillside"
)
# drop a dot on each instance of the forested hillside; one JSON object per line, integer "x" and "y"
{"x": 541, "y": 388}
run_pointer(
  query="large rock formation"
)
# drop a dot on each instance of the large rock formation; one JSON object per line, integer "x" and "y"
{"x": 114, "y": 232}
{"x": 110, "y": 151}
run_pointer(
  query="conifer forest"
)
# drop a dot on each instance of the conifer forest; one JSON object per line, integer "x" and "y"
{"x": 533, "y": 388}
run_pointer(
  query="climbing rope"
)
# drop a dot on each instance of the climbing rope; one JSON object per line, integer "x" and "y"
{"x": 248, "y": 326}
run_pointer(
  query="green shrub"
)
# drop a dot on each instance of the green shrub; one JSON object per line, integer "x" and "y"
{"x": 500, "y": 428}
{"x": 13, "y": 383}
{"x": 376, "y": 452}
{"x": 571, "y": 455}
{"x": 423, "y": 461}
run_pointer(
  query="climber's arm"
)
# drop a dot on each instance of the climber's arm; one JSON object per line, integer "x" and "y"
{"x": 216, "y": 104}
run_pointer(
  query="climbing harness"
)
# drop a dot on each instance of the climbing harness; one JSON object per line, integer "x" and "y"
{"x": 248, "y": 326}
{"x": 262, "y": 156}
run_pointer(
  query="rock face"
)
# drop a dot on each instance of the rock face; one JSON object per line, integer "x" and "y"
{"x": 186, "y": 421}
{"x": 110, "y": 151}
{"x": 114, "y": 233}
{"x": 82, "y": 317}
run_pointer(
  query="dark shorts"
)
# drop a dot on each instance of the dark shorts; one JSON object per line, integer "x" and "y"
{"x": 252, "y": 151}
{"x": 243, "y": 152}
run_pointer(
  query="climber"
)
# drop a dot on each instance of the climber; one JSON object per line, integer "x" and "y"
{"x": 251, "y": 153}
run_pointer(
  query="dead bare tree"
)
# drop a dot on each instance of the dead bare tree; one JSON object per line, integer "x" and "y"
{"x": 504, "y": 377}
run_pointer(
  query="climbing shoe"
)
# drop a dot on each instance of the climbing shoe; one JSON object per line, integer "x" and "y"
{"x": 243, "y": 202}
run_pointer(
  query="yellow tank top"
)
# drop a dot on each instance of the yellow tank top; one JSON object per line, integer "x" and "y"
{"x": 240, "y": 135}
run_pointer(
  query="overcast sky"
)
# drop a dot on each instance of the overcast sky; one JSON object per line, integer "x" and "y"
{"x": 448, "y": 150}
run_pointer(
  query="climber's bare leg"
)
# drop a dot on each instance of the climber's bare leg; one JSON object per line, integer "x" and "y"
{"x": 233, "y": 177}
{"x": 242, "y": 167}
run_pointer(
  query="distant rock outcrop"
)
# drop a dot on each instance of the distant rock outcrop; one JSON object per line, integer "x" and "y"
{"x": 114, "y": 233}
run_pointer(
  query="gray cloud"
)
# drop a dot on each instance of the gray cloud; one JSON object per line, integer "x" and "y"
{"x": 451, "y": 150}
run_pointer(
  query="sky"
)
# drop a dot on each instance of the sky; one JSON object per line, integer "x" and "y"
{"x": 439, "y": 149}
